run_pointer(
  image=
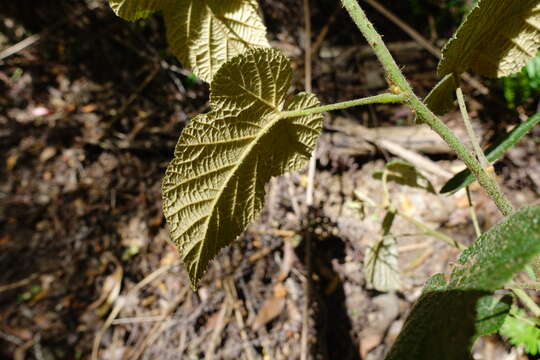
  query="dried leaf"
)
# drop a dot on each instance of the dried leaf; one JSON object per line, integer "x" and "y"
{"x": 270, "y": 309}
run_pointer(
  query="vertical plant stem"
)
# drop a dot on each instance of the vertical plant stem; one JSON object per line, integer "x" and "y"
{"x": 487, "y": 182}
{"x": 474, "y": 218}
{"x": 470, "y": 131}
{"x": 386, "y": 191}
{"x": 396, "y": 78}
{"x": 307, "y": 85}
{"x": 304, "y": 340}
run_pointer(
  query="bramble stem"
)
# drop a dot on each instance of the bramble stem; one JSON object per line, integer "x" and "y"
{"x": 396, "y": 78}
{"x": 377, "y": 99}
{"x": 525, "y": 285}
{"x": 470, "y": 131}
{"x": 527, "y": 301}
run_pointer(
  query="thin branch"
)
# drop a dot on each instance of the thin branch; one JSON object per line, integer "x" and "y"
{"x": 387, "y": 98}
{"x": 470, "y": 131}
{"x": 437, "y": 234}
{"x": 526, "y": 286}
{"x": 308, "y": 81}
{"x": 474, "y": 218}
{"x": 304, "y": 343}
{"x": 527, "y": 301}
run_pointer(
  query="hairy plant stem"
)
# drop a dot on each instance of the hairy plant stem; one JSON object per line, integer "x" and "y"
{"x": 396, "y": 79}
{"x": 472, "y": 210}
{"x": 524, "y": 285}
{"x": 470, "y": 132}
{"x": 387, "y": 98}
{"x": 527, "y": 301}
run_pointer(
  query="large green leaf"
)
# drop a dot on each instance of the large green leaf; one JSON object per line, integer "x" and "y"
{"x": 449, "y": 317}
{"x": 493, "y": 153}
{"x": 497, "y": 38}
{"x": 214, "y": 186}
{"x": 203, "y": 34}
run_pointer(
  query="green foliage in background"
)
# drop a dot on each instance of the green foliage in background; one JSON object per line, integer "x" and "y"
{"x": 522, "y": 330}
{"x": 524, "y": 86}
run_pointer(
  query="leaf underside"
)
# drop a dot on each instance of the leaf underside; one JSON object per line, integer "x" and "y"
{"x": 441, "y": 98}
{"x": 381, "y": 265}
{"x": 497, "y": 38}
{"x": 449, "y": 317}
{"x": 136, "y": 9}
{"x": 203, "y": 34}
{"x": 214, "y": 186}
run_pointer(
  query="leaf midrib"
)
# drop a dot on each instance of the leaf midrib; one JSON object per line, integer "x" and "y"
{"x": 265, "y": 130}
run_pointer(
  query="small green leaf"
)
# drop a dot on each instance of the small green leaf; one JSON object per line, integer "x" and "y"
{"x": 215, "y": 185}
{"x": 203, "y": 34}
{"x": 435, "y": 283}
{"x": 491, "y": 313}
{"x": 387, "y": 222}
{"x": 136, "y": 9}
{"x": 441, "y": 99}
{"x": 496, "y": 39}
{"x": 447, "y": 319}
{"x": 493, "y": 153}
{"x": 381, "y": 268}
{"x": 522, "y": 331}
{"x": 381, "y": 265}
{"x": 404, "y": 173}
